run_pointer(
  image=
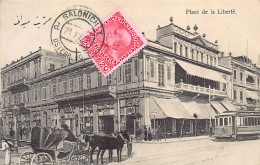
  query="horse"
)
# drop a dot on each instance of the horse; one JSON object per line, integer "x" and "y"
{"x": 106, "y": 142}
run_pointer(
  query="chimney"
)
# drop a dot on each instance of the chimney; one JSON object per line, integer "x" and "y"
{"x": 40, "y": 48}
{"x": 230, "y": 54}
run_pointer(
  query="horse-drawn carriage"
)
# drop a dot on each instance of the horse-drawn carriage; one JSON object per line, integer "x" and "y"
{"x": 45, "y": 144}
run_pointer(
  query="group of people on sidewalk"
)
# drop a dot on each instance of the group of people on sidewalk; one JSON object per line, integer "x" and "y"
{"x": 23, "y": 131}
{"x": 148, "y": 134}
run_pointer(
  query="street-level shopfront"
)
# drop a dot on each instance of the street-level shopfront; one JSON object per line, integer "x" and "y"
{"x": 176, "y": 118}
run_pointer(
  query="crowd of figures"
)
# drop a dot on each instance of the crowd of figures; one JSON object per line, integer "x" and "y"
{"x": 23, "y": 133}
{"x": 156, "y": 134}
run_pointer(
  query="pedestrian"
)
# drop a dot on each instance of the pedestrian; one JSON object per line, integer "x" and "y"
{"x": 159, "y": 133}
{"x": 26, "y": 132}
{"x": 129, "y": 146}
{"x": 145, "y": 133}
{"x": 11, "y": 133}
{"x": 6, "y": 148}
{"x": 149, "y": 134}
{"x": 21, "y": 133}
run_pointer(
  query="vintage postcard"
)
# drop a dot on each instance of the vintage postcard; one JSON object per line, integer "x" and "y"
{"x": 130, "y": 82}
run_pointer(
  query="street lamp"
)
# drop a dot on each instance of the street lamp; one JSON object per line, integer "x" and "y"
{"x": 154, "y": 114}
{"x": 15, "y": 113}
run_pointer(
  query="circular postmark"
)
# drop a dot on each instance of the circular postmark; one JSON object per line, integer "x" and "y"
{"x": 70, "y": 25}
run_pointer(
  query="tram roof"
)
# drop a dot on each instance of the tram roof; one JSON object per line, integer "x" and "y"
{"x": 240, "y": 113}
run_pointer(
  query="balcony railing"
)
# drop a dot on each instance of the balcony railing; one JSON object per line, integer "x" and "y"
{"x": 250, "y": 84}
{"x": 17, "y": 84}
{"x": 103, "y": 90}
{"x": 200, "y": 90}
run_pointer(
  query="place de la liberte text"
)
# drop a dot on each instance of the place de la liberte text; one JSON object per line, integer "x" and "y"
{"x": 211, "y": 11}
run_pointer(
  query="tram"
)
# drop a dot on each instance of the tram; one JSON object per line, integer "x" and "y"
{"x": 237, "y": 124}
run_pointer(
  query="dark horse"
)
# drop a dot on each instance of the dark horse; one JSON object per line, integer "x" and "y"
{"x": 106, "y": 142}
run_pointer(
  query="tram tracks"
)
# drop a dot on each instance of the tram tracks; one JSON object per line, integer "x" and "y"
{"x": 176, "y": 154}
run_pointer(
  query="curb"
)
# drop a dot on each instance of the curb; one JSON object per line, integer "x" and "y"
{"x": 172, "y": 140}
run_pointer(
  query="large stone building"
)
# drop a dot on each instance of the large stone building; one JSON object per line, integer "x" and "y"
{"x": 245, "y": 82}
{"x": 175, "y": 82}
{"x": 16, "y": 92}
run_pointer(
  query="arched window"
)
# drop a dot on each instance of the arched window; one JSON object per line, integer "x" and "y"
{"x": 201, "y": 57}
{"x": 197, "y": 56}
{"x": 175, "y": 47}
{"x": 192, "y": 54}
{"x": 186, "y": 51}
{"x": 181, "y": 50}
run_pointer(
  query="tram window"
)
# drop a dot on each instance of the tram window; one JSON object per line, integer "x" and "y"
{"x": 229, "y": 121}
{"x": 225, "y": 121}
{"x": 255, "y": 121}
{"x": 258, "y": 121}
{"x": 220, "y": 121}
{"x": 217, "y": 121}
{"x": 242, "y": 120}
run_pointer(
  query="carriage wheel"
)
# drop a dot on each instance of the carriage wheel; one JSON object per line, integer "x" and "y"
{"x": 25, "y": 158}
{"x": 83, "y": 159}
{"x": 42, "y": 158}
{"x": 79, "y": 158}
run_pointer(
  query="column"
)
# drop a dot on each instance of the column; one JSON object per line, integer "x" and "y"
{"x": 174, "y": 126}
{"x": 191, "y": 127}
{"x": 95, "y": 119}
{"x": 147, "y": 120}
{"x": 116, "y": 116}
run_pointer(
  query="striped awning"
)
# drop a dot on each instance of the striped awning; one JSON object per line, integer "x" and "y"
{"x": 200, "y": 71}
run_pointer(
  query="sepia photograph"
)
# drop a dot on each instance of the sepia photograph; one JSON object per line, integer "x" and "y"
{"x": 141, "y": 82}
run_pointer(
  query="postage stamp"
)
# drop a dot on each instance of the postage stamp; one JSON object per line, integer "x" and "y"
{"x": 122, "y": 40}
{"x": 69, "y": 26}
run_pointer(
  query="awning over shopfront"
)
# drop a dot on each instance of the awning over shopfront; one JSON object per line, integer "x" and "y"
{"x": 168, "y": 108}
{"x": 199, "y": 110}
{"x": 200, "y": 71}
{"x": 218, "y": 106}
{"x": 252, "y": 95}
{"x": 174, "y": 108}
{"x": 229, "y": 105}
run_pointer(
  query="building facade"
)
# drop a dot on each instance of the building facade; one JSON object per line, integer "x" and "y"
{"x": 176, "y": 84}
{"x": 16, "y": 91}
{"x": 245, "y": 80}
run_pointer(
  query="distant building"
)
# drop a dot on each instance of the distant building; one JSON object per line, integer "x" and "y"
{"x": 16, "y": 91}
{"x": 246, "y": 82}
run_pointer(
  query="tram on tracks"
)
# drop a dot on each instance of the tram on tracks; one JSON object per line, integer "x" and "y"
{"x": 237, "y": 124}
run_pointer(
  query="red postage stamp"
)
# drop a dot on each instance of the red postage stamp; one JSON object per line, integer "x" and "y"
{"x": 122, "y": 40}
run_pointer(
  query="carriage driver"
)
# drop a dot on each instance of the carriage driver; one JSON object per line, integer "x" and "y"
{"x": 67, "y": 144}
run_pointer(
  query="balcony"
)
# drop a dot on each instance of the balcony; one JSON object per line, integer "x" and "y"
{"x": 17, "y": 85}
{"x": 199, "y": 90}
{"x": 107, "y": 90}
{"x": 249, "y": 84}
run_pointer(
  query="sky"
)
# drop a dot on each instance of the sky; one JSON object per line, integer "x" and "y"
{"x": 232, "y": 31}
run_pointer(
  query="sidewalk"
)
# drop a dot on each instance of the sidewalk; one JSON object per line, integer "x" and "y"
{"x": 170, "y": 140}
